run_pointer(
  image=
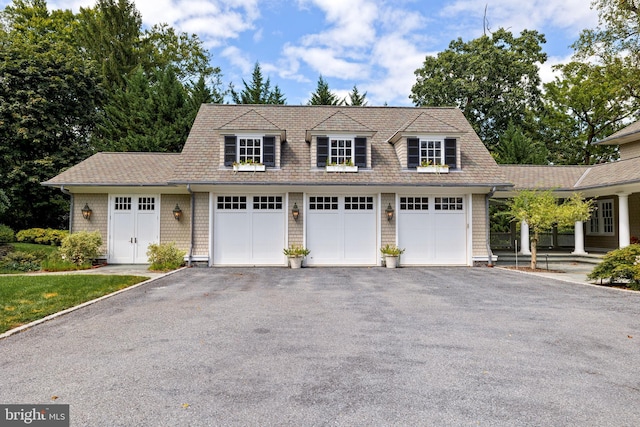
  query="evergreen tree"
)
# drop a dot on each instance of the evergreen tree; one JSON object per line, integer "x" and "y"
{"x": 516, "y": 148}
{"x": 355, "y": 98}
{"x": 259, "y": 91}
{"x": 323, "y": 95}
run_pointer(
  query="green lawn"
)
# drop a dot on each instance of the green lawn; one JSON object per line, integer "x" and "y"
{"x": 27, "y": 298}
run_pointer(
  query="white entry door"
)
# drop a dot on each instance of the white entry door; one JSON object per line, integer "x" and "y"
{"x": 341, "y": 230}
{"x": 249, "y": 230}
{"x": 432, "y": 230}
{"x": 133, "y": 226}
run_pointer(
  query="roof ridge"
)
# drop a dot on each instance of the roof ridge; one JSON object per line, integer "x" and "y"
{"x": 582, "y": 177}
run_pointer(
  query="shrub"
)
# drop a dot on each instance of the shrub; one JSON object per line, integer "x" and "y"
{"x": 82, "y": 247}
{"x": 165, "y": 256}
{"x": 620, "y": 265}
{"x": 20, "y": 261}
{"x": 48, "y": 236}
{"x": 296, "y": 251}
{"x": 6, "y": 234}
{"x": 54, "y": 262}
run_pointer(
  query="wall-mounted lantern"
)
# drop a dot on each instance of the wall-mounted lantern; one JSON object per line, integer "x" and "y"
{"x": 86, "y": 212}
{"x": 389, "y": 212}
{"x": 177, "y": 212}
{"x": 295, "y": 212}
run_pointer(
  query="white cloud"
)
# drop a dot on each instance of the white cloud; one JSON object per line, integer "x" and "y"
{"x": 238, "y": 59}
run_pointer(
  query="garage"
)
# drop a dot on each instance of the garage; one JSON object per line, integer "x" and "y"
{"x": 433, "y": 230}
{"x": 341, "y": 230}
{"x": 249, "y": 230}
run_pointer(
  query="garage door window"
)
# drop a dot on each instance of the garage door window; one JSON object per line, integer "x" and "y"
{"x": 414, "y": 203}
{"x": 232, "y": 202}
{"x": 448, "y": 204}
{"x": 358, "y": 203}
{"x": 122, "y": 203}
{"x": 146, "y": 203}
{"x": 267, "y": 202}
{"x": 327, "y": 203}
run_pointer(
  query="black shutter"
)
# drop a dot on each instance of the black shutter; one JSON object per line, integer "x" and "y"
{"x": 450, "y": 152}
{"x": 229, "y": 150}
{"x": 361, "y": 152}
{"x": 322, "y": 151}
{"x": 269, "y": 151}
{"x": 413, "y": 152}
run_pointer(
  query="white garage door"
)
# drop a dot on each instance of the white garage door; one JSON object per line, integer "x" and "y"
{"x": 433, "y": 230}
{"x": 341, "y": 230}
{"x": 133, "y": 225}
{"x": 249, "y": 230}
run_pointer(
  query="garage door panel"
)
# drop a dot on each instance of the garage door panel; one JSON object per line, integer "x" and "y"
{"x": 359, "y": 238}
{"x": 268, "y": 237}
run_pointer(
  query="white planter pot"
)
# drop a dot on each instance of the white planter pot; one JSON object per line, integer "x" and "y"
{"x": 295, "y": 262}
{"x": 341, "y": 168}
{"x": 249, "y": 168}
{"x": 433, "y": 169}
{"x": 391, "y": 261}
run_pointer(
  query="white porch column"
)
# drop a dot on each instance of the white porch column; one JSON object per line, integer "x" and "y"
{"x": 623, "y": 220}
{"x": 578, "y": 237}
{"x": 525, "y": 247}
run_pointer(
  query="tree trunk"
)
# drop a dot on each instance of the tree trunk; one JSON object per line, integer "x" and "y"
{"x": 534, "y": 250}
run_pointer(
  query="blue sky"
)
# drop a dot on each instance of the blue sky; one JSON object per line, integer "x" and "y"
{"x": 374, "y": 44}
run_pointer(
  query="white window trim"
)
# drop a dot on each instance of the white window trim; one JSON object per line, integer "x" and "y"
{"x": 598, "y": 214}
{"x": 425, "y": 138}
{"x": 250, "y": 136}
{"x": 352, "y": 147}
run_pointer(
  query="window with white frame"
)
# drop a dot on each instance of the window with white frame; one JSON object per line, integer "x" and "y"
{"x": 602, "y": 219}
{"x": 341, "y": 151}
{"x": 250, "y": 149}
{"x": 431, "y": 151}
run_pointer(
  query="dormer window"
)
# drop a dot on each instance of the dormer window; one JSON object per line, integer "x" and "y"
{"x": 343, "y": 150}
{"x": 250, "y": 149}
{"x": 432, "y": 150}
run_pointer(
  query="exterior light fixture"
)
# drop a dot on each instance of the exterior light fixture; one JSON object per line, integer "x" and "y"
{"x": 295, "y": 212}
{"x": 86, "y": 212}
{"x": 177, "y": 212}
{"x": 389, "y": 212}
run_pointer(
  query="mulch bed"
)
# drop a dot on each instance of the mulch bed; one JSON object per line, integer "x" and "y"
{"x": 531, "y": 270}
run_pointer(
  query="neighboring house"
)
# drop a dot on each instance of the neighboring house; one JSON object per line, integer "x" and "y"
{"x": 614, "y": 186}
{"x": 351, "y": 176}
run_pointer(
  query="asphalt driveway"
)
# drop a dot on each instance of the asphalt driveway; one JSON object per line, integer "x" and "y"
{"x": 331, "y": 346}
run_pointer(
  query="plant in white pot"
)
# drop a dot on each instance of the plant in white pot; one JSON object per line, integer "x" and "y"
{"x": 391, "y": 255}
{"x": 296, "y": 254}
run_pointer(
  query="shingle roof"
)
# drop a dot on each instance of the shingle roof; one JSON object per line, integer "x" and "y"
{"x": 627, "y": 134}
{"x": 200, "y": 160}
{"x": 119, "y": 169}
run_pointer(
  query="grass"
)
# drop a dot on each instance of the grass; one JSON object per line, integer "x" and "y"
{"x": 33, "y": 247}
{"x": 24, "y": 299}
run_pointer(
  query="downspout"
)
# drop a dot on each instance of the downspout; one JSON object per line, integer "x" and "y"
{"x": 488, "y": 228}
{"x": 193, "y": 228}
{"x": 64, "y": 191}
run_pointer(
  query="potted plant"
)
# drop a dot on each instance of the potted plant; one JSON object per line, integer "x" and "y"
{"x": 248, "y": 166}
{"x": 391, "y": 255}
{"x": 428, "y": 166}
{"x": 346, "y": 166}
{"x": 296, "y": 254}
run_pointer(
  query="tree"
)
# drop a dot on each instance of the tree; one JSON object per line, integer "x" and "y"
{"x": 259, "y": 91}
{"x": 493, "y": 80}
{"x": 48, "y": 103}
{"x": 585, "y": 103}
{"x": 541, "y": 211}
{"x": 355, "y": 98}
{"x": 149, "y": 115}
{"x": 515, "y": 147}
{"x": 323, "y": 95}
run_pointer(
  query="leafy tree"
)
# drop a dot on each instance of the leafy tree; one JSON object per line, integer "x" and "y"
{"x": 493, "y": 79}
{"x": 259, "y": 91}
{"x": 585, "y": 103}
{"x": 48, "y": 103}
{"x": 323, "y": 95}
{"x": 4, "y": 202}
{"x": 355, "y": 98}
{"x": 541, "y": 211}
{"x": 517, "y": 148}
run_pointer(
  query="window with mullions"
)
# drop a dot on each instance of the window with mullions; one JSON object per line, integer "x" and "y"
{"x": 319, "y": 203}
{"x": 602, "y": 219}
{"x": 448, "y": 204}
{"x": 122, "y": 203}
{"x": 341, "y": 151}
{"x": 358, "y": 203}
{"x": 250, "y": 150}
{"x": 414, "y": 203}
{"x": 232, "y": 202}
{"x": 431, "y": 152}
{"x": 267, "y": 202}
{"x": 146, "y": 203}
